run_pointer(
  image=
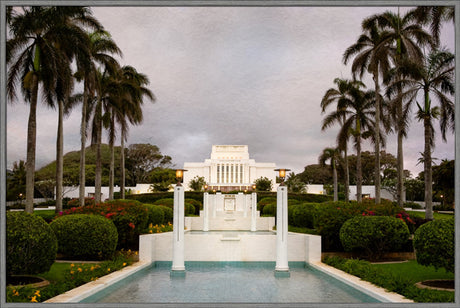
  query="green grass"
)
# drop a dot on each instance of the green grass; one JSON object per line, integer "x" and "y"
{"x": 397, "y": 277}
{"x": 415, "y": 272}
{"x": 435, "y": 215}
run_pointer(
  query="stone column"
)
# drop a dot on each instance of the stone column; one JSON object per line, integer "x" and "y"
{"x": 282, "y": 267}
{"x": 206, "y": 211}
{"x": 245, "y": 205}
{"x": 253, "y": 211}
{"x": 178, "y": 267}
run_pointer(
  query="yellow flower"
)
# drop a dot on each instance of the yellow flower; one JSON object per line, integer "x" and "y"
{"x": 124, "y": 263}
{"x": 108, "y": 270}
{"x": 15, "y": 293}
{"x": 72, "y": 265}
{"x": 136, "y": 253}
{"x": 34, "y": 299}
{"x": 150, "y": 231}
{"x": 80, "y": 270}
{"x": 37, "y": 293}
{"x": 92, "y": 268}
{"x": 71, "y": 272}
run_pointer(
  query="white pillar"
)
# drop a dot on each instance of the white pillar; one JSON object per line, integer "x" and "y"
{"x": 206, "y": 211}
{"x": 282, "y": 267}
{"x": 253, "y": 211}
{"x": 178, "y": 267}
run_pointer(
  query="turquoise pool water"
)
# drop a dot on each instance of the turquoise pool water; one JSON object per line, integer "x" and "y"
{"x": 227, "y": 282}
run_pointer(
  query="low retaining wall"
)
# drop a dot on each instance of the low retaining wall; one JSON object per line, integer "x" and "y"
{"x": 219, "y": 247}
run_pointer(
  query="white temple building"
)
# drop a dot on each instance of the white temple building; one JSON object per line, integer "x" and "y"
{"x": 229, "y": 168}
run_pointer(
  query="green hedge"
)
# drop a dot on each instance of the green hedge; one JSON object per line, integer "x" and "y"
{"x": 373, "y": 235}
{"x": 168, "y": 214}
{"x": 129, "y": 216}
{"x": 31, "y": 244}
{"x": 85, "y": 237}
{"x": 303, "y": 215}
{"x": 434, "y": 243}
{"x": 156, "y": 214}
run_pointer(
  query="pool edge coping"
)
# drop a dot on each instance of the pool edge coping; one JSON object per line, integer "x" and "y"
{"x": 78, "y": 294}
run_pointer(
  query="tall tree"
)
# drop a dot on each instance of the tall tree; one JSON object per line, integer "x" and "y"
{"x": 101, "y": 47}
{"x": 434, "y": 75}
{"x": 358, "y": 111}
{"x": 373, "y": 57}
{"x": 406, "y": 37}
{"x": 434, "y": 16}
{"x": 341, "y": 97}
{"x": 333, "y": 155}
{"x": 32, "y": 60}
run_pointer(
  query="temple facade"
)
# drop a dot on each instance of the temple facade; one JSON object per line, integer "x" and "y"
{"x": 228, "y": 169}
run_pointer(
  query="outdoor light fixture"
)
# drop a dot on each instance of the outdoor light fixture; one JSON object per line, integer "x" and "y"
{"x": 282, "y": 174}
{"x": 180, "y": 176}
{"x": 253, "y": 187}
{"x": 205, "y": 187}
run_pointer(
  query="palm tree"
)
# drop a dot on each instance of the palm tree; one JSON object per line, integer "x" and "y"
{"x": 101, "y": 46}
{"x": 434, "y": 15}
{"x": 332, "y": 154}
{"x": 340, "y": 96}
{"x": 358, "y": 110}
{"x": 435, "y": 75}
{"x": 130, "y": 110}
{"x": 374, "y": 57}
{"x": 33, "y": 61}
{"x": 406, "y": 37}
{"x": 72, "y": 42}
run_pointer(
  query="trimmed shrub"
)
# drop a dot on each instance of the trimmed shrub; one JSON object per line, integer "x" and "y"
{"x": 434, "y": 244}
{"x": 196, "y": 204}
{"x": 168, "y": 214}
{"x": 169, "y": 202}
{"x": 303, "y": 215}
{"x": 270, "y": 209}
{"x": 264, "y": 201}
{"x": 156, "y": 214}
{"x": 329, "y": 218}
{"x": 31, "y": 244}
{"x": 291, "y": 209}
{"x": 189, "y": 209}
{"x": 374, "y": 235}
{"x": 129, "y": 216}
{"x": 85, "y": 237}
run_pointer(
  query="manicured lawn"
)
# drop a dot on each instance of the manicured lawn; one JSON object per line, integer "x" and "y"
{"x": 415, "y": 272}
{"x": 435, "y": 215}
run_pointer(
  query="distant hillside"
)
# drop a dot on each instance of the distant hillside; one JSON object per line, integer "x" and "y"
{"x": 72, "y": 167}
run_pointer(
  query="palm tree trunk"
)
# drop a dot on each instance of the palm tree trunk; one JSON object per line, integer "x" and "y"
{"x": 31, "y": 145}
{"x": 427, "y": 162}
{"x": 334, "y": 176}
{"x": 122, "y": 165}
{"x": 98, "y": 173}
{"x": 359, "y": 173}
{"x": 59, "y": 157}
{"x": 377, "y": 139}
{"x": 112, "y": 157}
{"x": 347, "y": 176}
{"x": 400, "y": 158}
{"x": 82, "y": 146}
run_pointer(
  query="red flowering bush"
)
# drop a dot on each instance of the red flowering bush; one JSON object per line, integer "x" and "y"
{"x": 75, "y": 202}
{"x": 129, "y": 216}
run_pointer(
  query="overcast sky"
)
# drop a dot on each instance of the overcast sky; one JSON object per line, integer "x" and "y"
{"x": 227, "y": 75}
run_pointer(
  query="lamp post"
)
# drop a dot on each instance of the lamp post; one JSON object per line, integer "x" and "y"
{"x": 178, "y": 267}
{"x": 282, "y": 266}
